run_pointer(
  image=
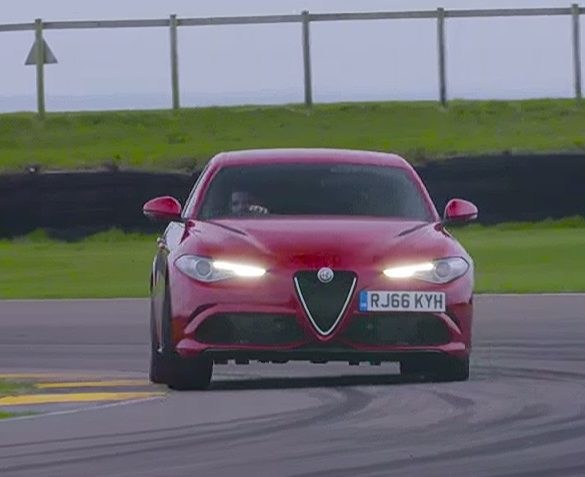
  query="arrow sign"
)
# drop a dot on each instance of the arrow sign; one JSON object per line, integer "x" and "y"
{"x": 49, "y": 57}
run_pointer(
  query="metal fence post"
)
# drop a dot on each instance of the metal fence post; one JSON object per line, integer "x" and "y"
{"x": 576, "y": 50}
{"x": 441, "y": 54}
{"x": 174, "y": 62}
{"x": 307, "y": 59}
{"x": 40, "y": 65}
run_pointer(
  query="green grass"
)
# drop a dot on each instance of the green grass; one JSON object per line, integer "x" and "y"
{"x": 167, "y": 140}
{"x": 542, "y": 257}
{"x": 523, "y": 258}
{"x": 109, "y": 264}
{"x": 8, "y": 388}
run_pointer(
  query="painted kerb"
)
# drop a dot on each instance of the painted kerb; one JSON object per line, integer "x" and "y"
{"x": 173, "y": 23}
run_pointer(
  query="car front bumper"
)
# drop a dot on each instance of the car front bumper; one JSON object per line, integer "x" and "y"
{"x": 196, "y": 306}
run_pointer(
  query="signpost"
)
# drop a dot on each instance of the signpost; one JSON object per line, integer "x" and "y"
{"x": 174, "y": 63}
{"x": 307, "y": 60}
{"x": 40, "y": 55}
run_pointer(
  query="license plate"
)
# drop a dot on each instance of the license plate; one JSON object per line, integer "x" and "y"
{"x": 402, "y": 301}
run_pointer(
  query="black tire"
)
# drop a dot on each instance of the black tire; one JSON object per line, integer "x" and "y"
{"x": 446, "y": 369}
{"x": 167, "y": 367}
{"x": 453, "y": 369}
{"x": 178, "y": 373}
{"x": 186, "y": 374}
{"x": 158, "y": 361}
{"x": 161, "y": 354}
{"x": 414, "y": 367}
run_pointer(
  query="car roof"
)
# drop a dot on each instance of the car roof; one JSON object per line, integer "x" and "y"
{"x": 298, "y": 155}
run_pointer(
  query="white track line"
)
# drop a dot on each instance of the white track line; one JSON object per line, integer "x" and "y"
{"x": 85, "y": 409}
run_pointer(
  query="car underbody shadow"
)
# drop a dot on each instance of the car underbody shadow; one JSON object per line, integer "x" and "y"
{"x": 313, "y": 382}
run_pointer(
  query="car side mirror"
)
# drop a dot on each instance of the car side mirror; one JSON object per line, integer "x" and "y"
{"x": 459, "y": 210}
{"x": 165, "y": 208}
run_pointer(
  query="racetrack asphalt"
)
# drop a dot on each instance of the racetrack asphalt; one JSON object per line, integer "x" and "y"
{"x": 521, "y": 414}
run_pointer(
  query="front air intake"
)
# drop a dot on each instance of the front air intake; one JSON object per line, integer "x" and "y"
{"x": 261, "y": 329}
{"x": 398, "y": 329}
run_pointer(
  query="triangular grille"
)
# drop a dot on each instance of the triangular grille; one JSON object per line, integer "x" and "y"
{"x": 325, "y": 303}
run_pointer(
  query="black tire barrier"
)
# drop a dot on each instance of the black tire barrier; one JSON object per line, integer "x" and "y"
{"x": 509, "y": 188}
{"x": 73, "y": 204}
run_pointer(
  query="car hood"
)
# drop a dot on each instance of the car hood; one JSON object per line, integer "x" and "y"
{"x": 316, "y": 242}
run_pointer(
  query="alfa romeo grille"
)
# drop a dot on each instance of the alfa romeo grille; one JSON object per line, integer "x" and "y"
{"x": 325, "y": 303}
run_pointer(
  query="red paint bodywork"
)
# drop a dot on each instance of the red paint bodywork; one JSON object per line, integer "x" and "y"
{"x": 286, "y": 245}
{"x": 163, "y": 208}
{"x": 459, "y": 210}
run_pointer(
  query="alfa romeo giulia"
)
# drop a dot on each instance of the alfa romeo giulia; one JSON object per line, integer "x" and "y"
{"x": 309, "y": 254}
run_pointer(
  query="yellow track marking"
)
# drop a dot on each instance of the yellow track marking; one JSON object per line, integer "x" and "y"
{"x": 75, "y": 397}
{"x": 50, "y": 376}
{"x": 94, "y": 384}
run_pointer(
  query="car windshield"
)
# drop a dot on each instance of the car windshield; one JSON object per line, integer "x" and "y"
{"x": 268, "y": 190}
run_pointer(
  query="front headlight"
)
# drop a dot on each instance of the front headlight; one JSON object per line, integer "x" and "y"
{"x": 208, "y": 270}
{"x": 443, "y": 270}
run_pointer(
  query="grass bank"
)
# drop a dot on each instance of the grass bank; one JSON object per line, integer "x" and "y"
{"x": 8, "y": 388}
{"x": 167, "y": 140}
{"x": 528, "y": 258}
{"x": 542, "y": 257}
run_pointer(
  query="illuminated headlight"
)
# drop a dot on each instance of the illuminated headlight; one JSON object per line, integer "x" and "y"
{"x": 443, "y": 270}
{"x": 208, "y": 270}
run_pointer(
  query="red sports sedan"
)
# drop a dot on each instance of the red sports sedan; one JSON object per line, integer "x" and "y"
{"x": 309, "y": 254}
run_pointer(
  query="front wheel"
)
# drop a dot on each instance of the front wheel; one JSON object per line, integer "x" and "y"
{"x": 189, "y": 373}
{"x": 168, "y": 367}
{"x": 446, "y": 369}
{"x": 159, "y": 360}
{"x": 453, "y": 369}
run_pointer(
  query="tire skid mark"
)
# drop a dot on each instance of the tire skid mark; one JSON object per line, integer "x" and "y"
{"x": 351, "y": 401}
{"x": 499, "y": 447}
{"x": 574, "y": 470}
{"x": 455, "y": 400}
{"x": 549, "y": 432}
{"x": 209, "y": 429}
{"x": 552, "y": 373}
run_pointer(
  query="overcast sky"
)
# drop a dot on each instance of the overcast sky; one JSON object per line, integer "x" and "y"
{"x": 108, "y": 69}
